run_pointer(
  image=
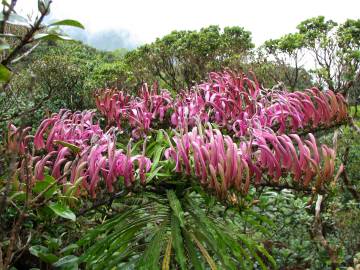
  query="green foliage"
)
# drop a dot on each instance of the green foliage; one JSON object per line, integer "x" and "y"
{"x": 288, "y": 52}
{"x": 136, "y": 238}
{"x": 30, "y": 33}
{"x": 291, "y": 240}
{"x": 316, "y": 30}
{"x": 333, "y": 48}
{"x": 46, "y": 185}
{"x": 43, "y": 253}
{"x": 57, "y": 75}
{"x": 113, "y": 75}
{"x": 289, "y": 43}
{"x": 62, "y": 211}
{"x": 5, "y": 74}
{"x": 276, "y": 71}
{"x": 44, "y": 208}
{"x": 351, "y": 142}
{"x": 68, "y": 23}
{"x": 182, "y": 57}
{"x": 54, "y": 81}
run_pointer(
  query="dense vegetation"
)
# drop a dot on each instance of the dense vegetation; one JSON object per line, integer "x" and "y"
{"x": 250, "y": 159}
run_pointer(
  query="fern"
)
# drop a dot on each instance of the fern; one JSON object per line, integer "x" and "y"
{"x": 143, "y": 236}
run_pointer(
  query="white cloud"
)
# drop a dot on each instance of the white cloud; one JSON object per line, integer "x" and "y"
{"x": 145, "y": 19}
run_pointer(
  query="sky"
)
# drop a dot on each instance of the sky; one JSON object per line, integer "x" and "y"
{"x": 142, "y": 21}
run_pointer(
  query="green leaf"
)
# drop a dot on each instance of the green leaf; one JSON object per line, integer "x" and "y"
{"x": 70, "y": 248}
{"x": 72, "y": 23}
{"x": 48, "y": 257}
{"x": 151, "y": 175}
{"x": 67, "y": 261}
{"x": 37, "y": 249}
{"x": 43, "y": 253}
{"x": 43, "y": 6}
{"x": 45, "y": 213}
{"x": 75, "y": 149}
{"x": 176, "y": 207}
{"x": 151, "y": 256}
{"x": 135, "y": 146}
{"x": 15, "y": 19}
{"x": 205, "y": 254}
{"x": 191, "y": 251}
{"x": 215, "y": 235}
{"x": 167, "y": 255}
{"x": 178, "y": 242}
{"x": 165, "y": 175}
{"x": 53, "y": 37}
{"x": 5, "y": 74}
{"x": 40, "y": 186}
{"x": 53, "y": 243}
{"x": 157, "y": 155}
{"x": 267, "y": 255}
{"x": 118, "y": 235}
{"x": 18, "y": 196}
{"x": 251, "y": 246}
{"x": 160, "y": 136}
{"x": 62, "y": 211}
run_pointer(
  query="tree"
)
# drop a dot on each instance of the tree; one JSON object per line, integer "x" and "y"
{"x": 53, "y": 76}
{"x": 183, "y": 57}
{"x": 348, "y": 35}
{"x": 335, "y": 51}
{"x": 20, "y": 39}
{"x": 113, "y": 75}
{"x": 288, "y": 52}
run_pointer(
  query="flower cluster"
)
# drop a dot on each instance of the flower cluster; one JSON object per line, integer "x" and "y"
{"x": 231, "y": 101}
{"x": 137, "y": 112}
{"x": 17, "y": 139}
{"x": 221, "y": 164}
{"x": 311, "y": 108}
{"x": 76, "y": 146}
{"x": 257, "y": 148}
{"x": 259, "y": 119}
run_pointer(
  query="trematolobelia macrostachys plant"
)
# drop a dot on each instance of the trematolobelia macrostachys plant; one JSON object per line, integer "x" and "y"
{"x": 258, "y": 119}
{"x": 227, "y": 134}
{"x": 232, "y": 101}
